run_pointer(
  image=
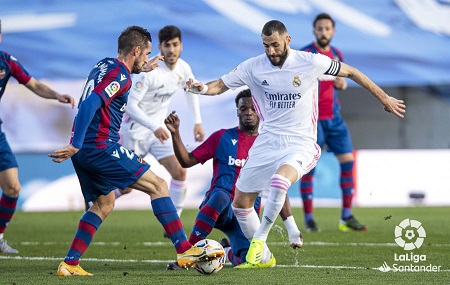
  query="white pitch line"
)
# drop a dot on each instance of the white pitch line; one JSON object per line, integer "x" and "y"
{"x": 159, "y": 243}
{"x": 40, "y": 258}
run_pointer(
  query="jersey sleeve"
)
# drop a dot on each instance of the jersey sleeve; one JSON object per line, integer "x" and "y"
{"x": 324, "y": 65}
{"x": 240, "y": 76}
{"x": 112, "y": 85}
{"x": 84, "y": 117}
{"x": 138, "y": 90}
{"x": 207, "y": 149}
{"x": 18, "y": 71}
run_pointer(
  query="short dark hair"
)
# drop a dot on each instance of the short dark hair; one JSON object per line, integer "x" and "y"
{"x": 169, "y": 33}
{"x": 272, "y": 27}
{"x": 322, "y": 16}
{"x": 243, "y": 94}
{"x": 131, "y": 37}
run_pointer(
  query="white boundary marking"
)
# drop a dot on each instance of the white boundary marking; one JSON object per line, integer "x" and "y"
{"x": 159, "y": 243}
{"x": 40, "y": 258}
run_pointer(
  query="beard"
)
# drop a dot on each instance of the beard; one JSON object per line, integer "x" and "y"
{"x": 283, "y": 56}
{"x": 323, "y": 42}
{"x": 137, "y": 67}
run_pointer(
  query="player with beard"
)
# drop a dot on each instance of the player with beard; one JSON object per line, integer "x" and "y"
{"x": 143, "y": 130}
{"x": 332, "y": 131}
{"x": 284, "y": 84}
{"x": 229, "y": 150}
{"x": 102, "y": 164}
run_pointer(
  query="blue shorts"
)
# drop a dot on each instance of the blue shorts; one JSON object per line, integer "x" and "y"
{"x": 334, "y": 133}
{"x": 7, "y": 158}
{"x": 102, "y": 170}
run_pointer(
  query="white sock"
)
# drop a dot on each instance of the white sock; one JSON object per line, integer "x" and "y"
{"x": 117, "y": 193}
{"x": 248, "y": 220}
{"x": 177, "y": 192}
{"x": 266, "y": 254}
{"x": 292, "y": 229}
{"x": 278, "y": 189}
{"x": 227, "y": 253}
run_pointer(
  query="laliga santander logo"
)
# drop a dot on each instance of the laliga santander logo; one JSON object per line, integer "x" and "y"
{"x": 414, "y": 234}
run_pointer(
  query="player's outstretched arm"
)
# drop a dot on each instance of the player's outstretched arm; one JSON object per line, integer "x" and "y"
{"x": 185, "y": 158}
{"x": 46, "y": 92}
{"x": 212, "y": 88}
{"x": 390, "y": 104}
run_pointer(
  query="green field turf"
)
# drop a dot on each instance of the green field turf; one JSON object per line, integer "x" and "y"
{"x": 129, "y": 248}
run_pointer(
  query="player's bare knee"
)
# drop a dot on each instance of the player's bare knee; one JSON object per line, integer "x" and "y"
{"x": 179, "y": 174}
{"x": 12, "y": 189}
{"x": 161, "y": 188}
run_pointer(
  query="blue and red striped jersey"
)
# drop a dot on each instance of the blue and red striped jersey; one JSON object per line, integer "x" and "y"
{"x": 328, "y": 100}
{"x": 9, "y": 66}
{"x": 109, "y": 79}
{"x": 229, "y": 149}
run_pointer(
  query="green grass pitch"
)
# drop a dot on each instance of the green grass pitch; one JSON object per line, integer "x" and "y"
{"x": 129, "y": 248}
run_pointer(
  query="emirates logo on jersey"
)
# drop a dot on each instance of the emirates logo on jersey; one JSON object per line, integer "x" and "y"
{"x": 296, "y": 82}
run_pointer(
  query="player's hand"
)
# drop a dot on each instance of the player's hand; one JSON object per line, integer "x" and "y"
{"x": 161, "y": 134}
{"x": 395, "y": 106}
{"x": 153, "y": 63}
{"x": 340, "y": 83}
{"x": 64, "y": 98}
{"x": 172, "y": 122}
{"x": 194, "y": 87}
{"x": 199, "y": 133}
{"x": 64, "y": 153}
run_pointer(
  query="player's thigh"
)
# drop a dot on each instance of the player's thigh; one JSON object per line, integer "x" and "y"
{"x": 151, "y": 184}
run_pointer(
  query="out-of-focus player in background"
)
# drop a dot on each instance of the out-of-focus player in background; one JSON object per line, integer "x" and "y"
{"x": 332, "y": 131}
{"x": 143, "y": 130}
{"x": 283, "y": 83}
{"x": 9, "y": 177}
{"x": 102, "y": 164}
{"x": 229, "y": 150}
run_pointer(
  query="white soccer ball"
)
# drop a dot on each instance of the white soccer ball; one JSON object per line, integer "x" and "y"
{"x": 212, "y": 265}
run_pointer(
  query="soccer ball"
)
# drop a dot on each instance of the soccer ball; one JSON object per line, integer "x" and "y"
{"x": 212, "y": 265}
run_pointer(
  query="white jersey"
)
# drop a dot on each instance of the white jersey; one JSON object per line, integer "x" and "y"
{"x": 150, "y": 96}
{"x": 286, "y": 98}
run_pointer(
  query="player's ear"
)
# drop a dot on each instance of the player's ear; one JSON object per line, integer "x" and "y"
{"x": 137, "y": 50}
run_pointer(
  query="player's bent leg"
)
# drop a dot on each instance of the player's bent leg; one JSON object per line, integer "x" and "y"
{"x": 177, "y": 187}
{"x": 9, "y": 183}
{"x": 165, "y": 212}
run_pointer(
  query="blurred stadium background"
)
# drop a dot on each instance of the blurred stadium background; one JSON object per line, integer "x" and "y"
{"x": 402, "y": 45}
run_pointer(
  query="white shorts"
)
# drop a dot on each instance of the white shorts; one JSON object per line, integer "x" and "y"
{"x": 268, "y": 153}
{"x": 150, "y": 144}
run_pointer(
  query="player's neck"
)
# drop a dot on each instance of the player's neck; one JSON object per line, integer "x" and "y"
{"x": 171, "y": 66}
{"x": 127, "y": 61}
{"x": 323, "y": 49}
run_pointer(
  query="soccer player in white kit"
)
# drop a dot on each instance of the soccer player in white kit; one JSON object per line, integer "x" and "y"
{"x": 143, "y": 129}
{"x": 284, "y": 86}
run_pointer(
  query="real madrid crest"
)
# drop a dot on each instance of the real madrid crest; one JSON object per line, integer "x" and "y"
{"x": 296, "y": 82}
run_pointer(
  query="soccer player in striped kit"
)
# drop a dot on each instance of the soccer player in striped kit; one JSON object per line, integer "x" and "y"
{"x": 102, "y": 164}
{"x": 229, "y": 150}
{"x": 283, "y": 83}
{"x": 331, "y": 131}
{"x": 9, "y": 177}
{"x": 143, "y": 130}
